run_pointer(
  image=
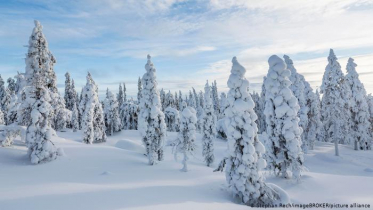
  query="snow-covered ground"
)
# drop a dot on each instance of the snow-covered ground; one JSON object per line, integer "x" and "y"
{"x": 115, "y": 175}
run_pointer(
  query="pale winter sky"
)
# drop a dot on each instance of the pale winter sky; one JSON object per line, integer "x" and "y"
{"x": 190, "y": 41}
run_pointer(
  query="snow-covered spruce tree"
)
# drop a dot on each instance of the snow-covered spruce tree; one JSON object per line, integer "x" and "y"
{"x": 359, "y": 109}
{"x": 111, "y": 110}
{"x": 93, "y": 124}
{"x": 172, "y": 119}
{"x": 215, "y": 98}
{"x": 176, "y": 99}
{"x": 162, "y": 96}
{"x": 124, "y": 92}
{"x": 180, "y": 101}
{"x": 314, "y": 118}
{"x": 12, "y": 109}
{"x": 298, "y": 88}
{"x": 129, "y": 115}
{"x": 244, "y": 160}
{"x": 139, "y": 90}
{"x": 169, "y": 100}
{"x": 185, "y": 142}
{"x": 201, "y": 99}
{"x": 120, "y": 96}
{"x": 74, "y": 119}
{"x": 208, "y": 128}
{"x": 152, "y": 126}
{"x": 38, "y": 134}
{"x": 262, "y": 126}
{"x": 335, "y": 112}
{"x": 192, "y": 100}
{"x": 284, "y": 154}
{"x": 69, "y": 93}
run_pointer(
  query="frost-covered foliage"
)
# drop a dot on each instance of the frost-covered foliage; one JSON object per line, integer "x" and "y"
{"x": 172, "y": 119}
{"x": 74, "y": 119}
{"x": 93, "y": 124}
{"x": 284, "y": 154}
{"x": 312, "y": 131}
{"x": 120, "y": 96}
{"x": 169, "y": 100}
{"x": 70, "y": 94}
{"x": 12, "y": 109}
{"x": 262, "y": 126}
{"x": 129, "y": 115}
{"x": 223, "y": 105}
{"x": 176, "y": 99}
{"x": 11, "y": 132}
{"x": 192, "y": 100}
{"x": 185, "y": 142}
{"x": 61, "y": 116}
{"x": 180, "y": 101}
{"x": 335, "y": 112}
{"x": 298, "y": 88}
{"x": 139, "y": 90}
{"x": 111, "y": 111}
{"x": 359, "y": 109}
{"x": 38, "y": 135}
{"x": 152, "y": 126}
{"x": 215, "y": 98}
{"x": 244, "y": 160}
{"x": 208, "y": 128}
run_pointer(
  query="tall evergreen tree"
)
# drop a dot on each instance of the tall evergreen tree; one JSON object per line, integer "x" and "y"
{"x": 335, "y": 114}
{"x": 186, "y": 138}
{"x": 11, "y": 85}
{"x": 244, "y": 161}
{"x": 2, "y": 94}
{"x": 92, "y": 115}
{"x": 152, "y": 125}
{"x": 359, "y": 109}
{"x": 298, "y": 88}
{"x": 111, "y": 110}
{"x": 215, "y": 98}
{"x": 284, "y": 153}
{"x": 74, "y": 119}
{"x": 120, "y": 96}
{"x": 139, "y": 90}
{"x": 69, "y": 93}
{"x": 208, "y": 127}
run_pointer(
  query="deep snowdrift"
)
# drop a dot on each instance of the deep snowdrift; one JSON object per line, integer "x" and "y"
{"x": 115, "y": 175}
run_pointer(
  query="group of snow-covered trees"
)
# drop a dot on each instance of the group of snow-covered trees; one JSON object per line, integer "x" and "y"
{"x": 268, "y": 130}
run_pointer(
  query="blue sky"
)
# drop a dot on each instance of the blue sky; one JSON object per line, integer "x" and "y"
{"x": 190, "y": 41}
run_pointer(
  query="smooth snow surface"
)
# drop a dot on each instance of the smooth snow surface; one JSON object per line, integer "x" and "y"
{"x": 116, "y": 175}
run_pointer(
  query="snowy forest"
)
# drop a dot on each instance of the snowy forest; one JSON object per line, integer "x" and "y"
{"x": 286, "y": 144}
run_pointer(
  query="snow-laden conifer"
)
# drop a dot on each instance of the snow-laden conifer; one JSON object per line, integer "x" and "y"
{"x": 74, "y": 119}
{"x": 152, "y": 126}
{"x": 335, "y": 112}
{"x": 111, "y": 110}
{"x": 129, "y": 115}
{"x": 139, "y": 90}
{"x": 284, "y": 154}
{"x": 69, "y": 93}
{"x": 298, "y": 88}
{"x": 215, "y": 98}
{"x": 186, "y": 138}
{"x": 359, "y": 109}
{"x": 93, "y": 124}
{"x": 172, "y": 119}
{"x": 244, "y": 160}
{"x": 208, "y": 128}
